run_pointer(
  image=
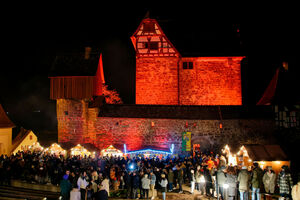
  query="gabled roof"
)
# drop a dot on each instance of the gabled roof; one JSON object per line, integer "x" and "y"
{"x": 200, "y": 39}
{"x": 75, "y": 65}
{"x": 20, "y": 137}
{"x": 4, "y": 120}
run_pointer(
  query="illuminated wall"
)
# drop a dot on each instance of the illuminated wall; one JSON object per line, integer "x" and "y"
{"x": 164, "y": 77}
{"x": 5, "y": 141}
{"x": 157, "y": 81}
{"x": 210, "y": 81}
{"x": 79, "y": 124}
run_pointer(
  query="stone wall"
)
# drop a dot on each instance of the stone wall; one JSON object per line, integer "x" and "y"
{"x": 84, "y": 125}
{"x": 212, "y": 81}
{"x": 157, "y": 80}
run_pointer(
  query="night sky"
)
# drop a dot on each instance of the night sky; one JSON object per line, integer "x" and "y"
{"x": 33, "y": 36}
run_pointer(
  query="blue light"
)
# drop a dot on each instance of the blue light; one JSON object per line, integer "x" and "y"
{"x": 172, "y": 148}
{"x": 131, "y": 166}
{"x": 125, "y": 149}
{"x": 149, "y": 150}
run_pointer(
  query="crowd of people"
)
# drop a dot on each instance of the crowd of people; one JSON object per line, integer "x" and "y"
{"x": 94, "y": 178}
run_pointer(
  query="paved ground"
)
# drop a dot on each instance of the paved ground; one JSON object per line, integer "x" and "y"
{"x": 186, "y": 195}
{"x": 42, "y": 187}
{"x": 170, "y": 195}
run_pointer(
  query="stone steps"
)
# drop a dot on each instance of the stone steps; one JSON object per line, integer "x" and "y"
{"x": 11, "y": 192}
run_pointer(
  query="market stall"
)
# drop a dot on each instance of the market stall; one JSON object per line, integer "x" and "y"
{"x": 264, "y": 155}
{"x": 267, "y": 155}
{"x": 111, "y": 151}
{"x": 149, "y": 152}
{"x": 80, "y": 150}
{"x": 55, "y": 149}
{"x": 36, "y": 147}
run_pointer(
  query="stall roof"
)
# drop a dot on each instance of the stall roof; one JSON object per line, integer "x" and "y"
{"x": 266, "y": 153}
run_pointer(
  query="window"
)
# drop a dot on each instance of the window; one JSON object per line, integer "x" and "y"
{"x": 286, "y": 119}
{"x": 187, "y": 65}
{"x": 149, "y": 27}
{"x": 151, "y": 45}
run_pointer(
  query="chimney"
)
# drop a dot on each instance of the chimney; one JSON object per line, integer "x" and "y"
{"x": 87, "y": 53}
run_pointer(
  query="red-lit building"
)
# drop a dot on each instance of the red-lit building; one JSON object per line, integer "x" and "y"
{"x": 174, "y": 94}
{"x": 165, "y": 77}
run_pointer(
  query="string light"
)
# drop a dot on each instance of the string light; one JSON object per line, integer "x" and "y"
{"x": 149, "y": 150}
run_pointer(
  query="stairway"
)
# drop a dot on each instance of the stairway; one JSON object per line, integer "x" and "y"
{"x": 12, "y": 193}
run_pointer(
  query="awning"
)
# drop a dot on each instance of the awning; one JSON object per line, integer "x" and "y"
{"x": 266, "y": 153}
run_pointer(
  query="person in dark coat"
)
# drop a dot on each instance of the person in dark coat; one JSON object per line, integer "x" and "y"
{"x": 208, "y": 181}
{"x": 180, "y": 178}
{"x": 135, "y": 185}
{"x": 128, "y": 185}
{"x": 65, "y": 187}
{"x": 101, "y": 195}
{"x": 170, "y": 179}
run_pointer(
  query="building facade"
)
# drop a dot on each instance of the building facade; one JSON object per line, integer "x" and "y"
{"x": 164, "y": 77}
{"x": 174, "y": 94}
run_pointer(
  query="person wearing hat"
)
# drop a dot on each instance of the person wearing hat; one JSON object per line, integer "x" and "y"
{"x": 163, "y": 183}
{"x": 285, "y": 182}
{"x": 269, "y": 180}
{"x": 256, "y": 181}
{"x": 65, "y": 187}
{"x": 244, "y": 180}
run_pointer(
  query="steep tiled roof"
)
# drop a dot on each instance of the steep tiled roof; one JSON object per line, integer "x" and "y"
{"x": 75, "y": 65}
{"x": 4, "y": 120}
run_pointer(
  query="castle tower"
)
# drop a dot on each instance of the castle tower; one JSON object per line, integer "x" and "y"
{"x": 165, "y": 77}
{"x": 75, "y": 82}
{"x": 157, "y": 63}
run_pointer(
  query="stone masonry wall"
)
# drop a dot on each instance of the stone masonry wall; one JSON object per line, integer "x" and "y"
{"x": 81, "y": 126}
{"x": 212, "y": 81}
{"x": 157, "y": 80}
